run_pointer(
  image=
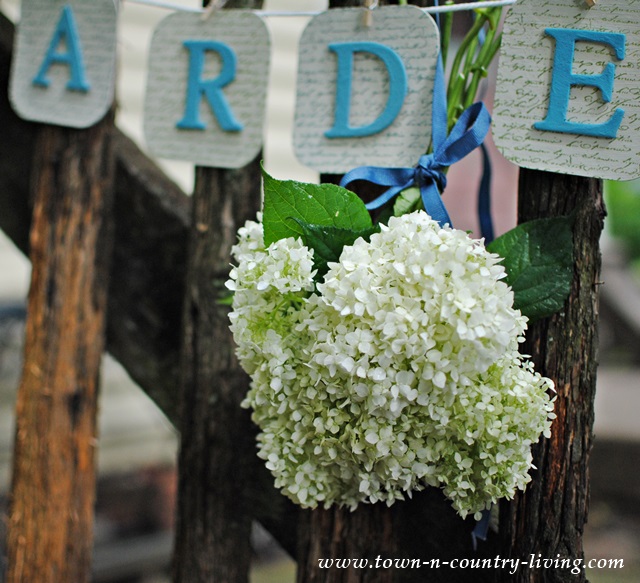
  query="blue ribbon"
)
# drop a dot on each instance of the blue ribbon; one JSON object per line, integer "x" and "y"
{"x": 481, "y": 529}
{"x": 468, "y": 133}
{"x": 484, "y": 198}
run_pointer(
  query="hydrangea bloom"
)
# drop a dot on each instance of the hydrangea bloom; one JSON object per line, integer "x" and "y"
{"x": 402, "y": 370}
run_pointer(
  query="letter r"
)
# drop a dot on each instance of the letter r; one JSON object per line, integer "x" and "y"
{"x": 210, "y": 89}
{"x": 397, "y": 88}
{"x": 563, "y": 79}
{"x": 66, "y": 30}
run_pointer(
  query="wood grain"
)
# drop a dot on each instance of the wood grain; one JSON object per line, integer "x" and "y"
{"x": 50, "y": 529}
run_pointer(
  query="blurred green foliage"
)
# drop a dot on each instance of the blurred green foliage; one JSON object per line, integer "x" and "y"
{"x": 623, "y": 215}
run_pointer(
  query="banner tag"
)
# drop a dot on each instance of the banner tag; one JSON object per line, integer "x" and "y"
{"x": 364, "y": 92}
{"x": 568, "y": 88}
{"x": 207, "y": 88}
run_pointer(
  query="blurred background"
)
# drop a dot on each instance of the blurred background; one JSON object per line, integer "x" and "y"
{"x": 138, "y": 446}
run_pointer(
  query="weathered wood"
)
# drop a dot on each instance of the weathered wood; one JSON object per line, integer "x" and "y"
{"x": 548, "y": 519}
{"x": 337, "y": 533}
{"x": 217, "y": 461}
{"x": 217, "y": 453}
{"x": 147, "y": 275}
{"x": 53, "y": 489}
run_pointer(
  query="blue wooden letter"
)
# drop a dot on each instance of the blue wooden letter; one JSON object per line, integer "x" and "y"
{"x": 563, "y": 79}
{"x": 66, "y": 31}
{"x": 397, "y": 88}
{"x": 211, "y": 89}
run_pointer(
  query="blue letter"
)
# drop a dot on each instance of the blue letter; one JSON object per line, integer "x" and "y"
{"x": 397, "y": 88}
{"x": 563, "y": 79}
{"x": 211, "y": 89}
{"x": 67, "y": 31}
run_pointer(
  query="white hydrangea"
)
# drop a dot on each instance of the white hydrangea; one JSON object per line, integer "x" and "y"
{"x": 401, "y": 371}
{"x": 268, "y": 286}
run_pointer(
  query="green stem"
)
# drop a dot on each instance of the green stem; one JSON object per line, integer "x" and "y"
{"x": 457, "y": 80}
{"x": 480, "y": 72}
{"x": 446, "y": 21}
{"x": 483, "y": 60}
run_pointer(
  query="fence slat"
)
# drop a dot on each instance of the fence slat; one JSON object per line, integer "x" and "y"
{"x": 53, "y": 489}
{"x": 217, "y": 459}
{"x": 548, "y": 519}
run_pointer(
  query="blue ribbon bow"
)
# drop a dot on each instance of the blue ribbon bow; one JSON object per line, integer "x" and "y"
{"x": 467, "y": 134}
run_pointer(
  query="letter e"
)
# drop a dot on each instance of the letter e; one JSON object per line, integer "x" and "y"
{"x": 563, "y": 79}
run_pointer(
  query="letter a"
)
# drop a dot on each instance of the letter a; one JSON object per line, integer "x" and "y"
{"x": 66, "y": 31}
{"x": 563, "y": 79}
{"x": 211, "y": 89}
{"x": 397, "y": 88}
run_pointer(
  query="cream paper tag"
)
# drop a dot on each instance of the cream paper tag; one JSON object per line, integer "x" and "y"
{"x": 207, "y": 88}
{"x": 406, "y": 31}
{"x": 526, "y": 75}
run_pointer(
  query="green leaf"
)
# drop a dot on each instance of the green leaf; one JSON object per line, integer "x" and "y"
{"x": 408, "y": 200}
{"x": 327, "y": 243}
{"x": 538, "y": 259}
{"x": 326, "y": 205}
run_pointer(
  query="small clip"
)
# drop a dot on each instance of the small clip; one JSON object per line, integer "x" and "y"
{"x": 213, "y": 6}
{"x": 590, "y": 3}
{"x": 367, "y": 17}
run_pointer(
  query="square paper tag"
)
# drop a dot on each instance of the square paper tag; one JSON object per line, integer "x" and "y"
{"x": 568, "y": 87}
{"x": 364, "y": 92}
{"x": 64, "y": 62}
{"x": 207, "y": 88}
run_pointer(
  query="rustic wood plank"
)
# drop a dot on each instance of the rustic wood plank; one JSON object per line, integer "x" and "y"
{"x": 550, "y": 516}
{"x": 217, "y": 454}
{"x": 217, "y": 463}
{"x": 147, "y": 275}
{"x": 16, "y": 148}
{"x": 50, "y": 527}
{"x": 147, "y": 279}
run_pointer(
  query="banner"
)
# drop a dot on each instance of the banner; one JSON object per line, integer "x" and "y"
{"x": 567, "y": 95}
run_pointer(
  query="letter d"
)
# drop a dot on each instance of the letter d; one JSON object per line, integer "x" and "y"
{"x": 397, "y": 88}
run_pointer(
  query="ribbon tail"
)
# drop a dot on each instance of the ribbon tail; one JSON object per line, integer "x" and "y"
{"x": 433, "y": 205}
{"x": 481, "y": 529}
{"x": 484, "y": 198}
{"x": 397, "y": 179}
{"x": 468, "y": 133}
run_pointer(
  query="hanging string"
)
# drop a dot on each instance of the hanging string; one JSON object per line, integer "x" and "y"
{"x": 284, "y": 13}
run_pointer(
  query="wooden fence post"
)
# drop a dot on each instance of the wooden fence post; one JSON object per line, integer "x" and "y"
{"x": 52, "y": 495}
{"x": 548, "y": 520}
{"x": 217, "y": 453}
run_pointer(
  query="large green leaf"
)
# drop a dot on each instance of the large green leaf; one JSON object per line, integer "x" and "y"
{"x": 538, "y": 259}
{"x": 289, "y": 204}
